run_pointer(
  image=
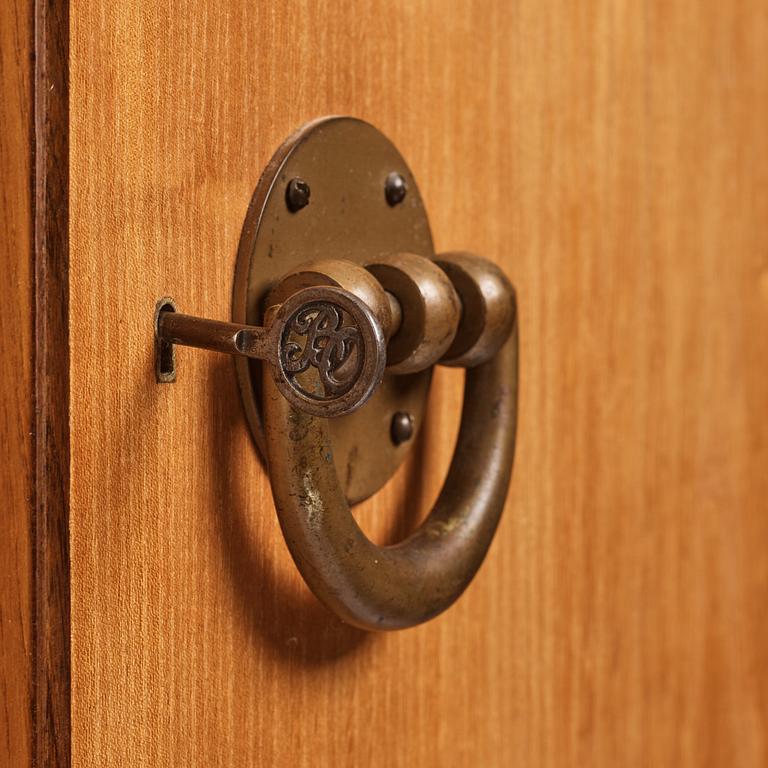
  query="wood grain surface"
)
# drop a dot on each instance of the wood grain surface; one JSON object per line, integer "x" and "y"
{"x": 16, "y": 383}
{"x": 612, "y": 157}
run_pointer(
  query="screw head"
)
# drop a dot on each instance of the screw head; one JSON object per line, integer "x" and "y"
{"x": 401, "y": 430}
{"x": 297, "y": 194}
{"x": 395, "y": 189}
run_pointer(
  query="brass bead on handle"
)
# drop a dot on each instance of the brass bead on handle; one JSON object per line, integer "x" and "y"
{"x": 487, "y": 308}
{"x": 430, "y": 310}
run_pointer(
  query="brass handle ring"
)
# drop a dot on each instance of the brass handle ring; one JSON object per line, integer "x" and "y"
{"x": 394, "y": 587}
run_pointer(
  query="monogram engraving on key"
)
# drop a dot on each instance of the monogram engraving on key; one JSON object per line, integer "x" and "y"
{"x": 315, "y": 336}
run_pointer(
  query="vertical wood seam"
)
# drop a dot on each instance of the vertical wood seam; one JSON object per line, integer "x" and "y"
{"x": 51, "y": 675}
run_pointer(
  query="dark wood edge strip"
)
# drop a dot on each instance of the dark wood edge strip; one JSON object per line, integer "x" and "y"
{"x": 51, "y": 694}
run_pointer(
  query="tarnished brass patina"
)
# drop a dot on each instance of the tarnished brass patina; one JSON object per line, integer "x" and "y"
{"x": 329, "y": 291}
{"x": 384, "y": 588}
{"x": 341, "y": 209}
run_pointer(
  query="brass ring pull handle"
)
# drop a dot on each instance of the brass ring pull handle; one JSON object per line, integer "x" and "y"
{"x": 326, "y": 330}
{"x": 385, "y": 588}
{"x": 325, "y": 349}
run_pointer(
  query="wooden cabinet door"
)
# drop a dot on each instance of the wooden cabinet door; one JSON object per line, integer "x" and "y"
{"x": 612, "y": 158}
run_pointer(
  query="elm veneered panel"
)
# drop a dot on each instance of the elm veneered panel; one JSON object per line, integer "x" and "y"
{"x": 612, "y": 158}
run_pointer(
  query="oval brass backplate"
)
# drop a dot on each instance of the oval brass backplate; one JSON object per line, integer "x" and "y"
{"x": 344, "y": 163}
